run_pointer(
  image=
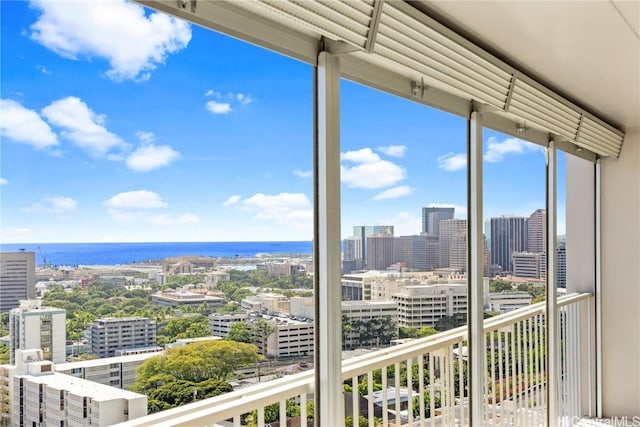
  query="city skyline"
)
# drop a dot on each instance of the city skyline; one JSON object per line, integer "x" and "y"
{"x": 162, "y": 143}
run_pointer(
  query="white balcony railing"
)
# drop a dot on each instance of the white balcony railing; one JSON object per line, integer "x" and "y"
{"x": 433, "y": 368}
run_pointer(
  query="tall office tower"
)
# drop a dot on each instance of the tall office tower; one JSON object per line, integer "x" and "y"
{"x": 363, "y": 231}
{"x": 351, "y": 254}
{"x": 448, "y": 229}
{"x": 458, "y": 250}
{"x": 33, "y": 326}
{"x": 508, "y": 235}
{"x": 537, "y": 231}
{"x": 17, "y": 278}
{"x": 431, "y": 218}
{"x": 487, "y": 231}
{"x": 379, "y": 251}
{"x": 414, "y": 251}
{"x": 561, "y": 254}
{"x": 111, "y": 334}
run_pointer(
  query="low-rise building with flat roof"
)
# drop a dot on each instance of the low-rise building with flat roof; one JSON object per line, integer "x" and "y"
{"x": 39, "y": 395}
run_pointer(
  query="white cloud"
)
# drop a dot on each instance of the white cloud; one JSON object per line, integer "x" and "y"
{"x": 393, "y": 150}
{"x": 232, "y": 200}
{"x": 3, "y": 181}
{"x": 364, "y": 155}
{"x": 44, "y": 69}
{"x": 145, "y": 136}
{"x": 16, "y": 235}
{"x": 244, "y": 99}
{"x": 290, "y": 209}
{"x": 115, "y": 30}
{"x": 219, "y": 107}
{"x": 59, "y": 206}
{"x": 394, "y": 193}
{"x": 23, "y": 125}
{"x": 368, "y": 170}
{"x": 140, "y": 199}
{"x": 226, "y": 103}
{"x": 302, "y": 174}
{"x": 452, "y": 161}
{"x": 150, "y": 157}
{"x": 496, "y": 150}
{"x": 82, "y": 126}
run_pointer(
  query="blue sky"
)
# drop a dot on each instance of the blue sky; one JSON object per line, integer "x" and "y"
{"x": 121, "y": 124}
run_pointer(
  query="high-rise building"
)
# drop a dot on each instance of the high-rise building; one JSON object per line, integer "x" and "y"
{"x": 17, "y": 278}
{"x": 418, "y": 253}
{"x": 431, "y": 218}
{"x": 508, "y": 235}
{"x": 363, "y": 231}
{"x": 351, "y": 254}
{"x": 536, "y": 231}
{"x": 379, "y": 251}
{"x": 561, "y": 256}
{"x": 448, "y": 229}
{"x": 111, "y": 334}
{"x": 34, "y": 326}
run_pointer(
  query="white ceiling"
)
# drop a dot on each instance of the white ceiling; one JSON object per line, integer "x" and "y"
{"x": 587, "y": 50}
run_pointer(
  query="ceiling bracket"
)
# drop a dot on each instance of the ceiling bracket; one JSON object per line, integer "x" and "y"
{"x": 417, "y": 88}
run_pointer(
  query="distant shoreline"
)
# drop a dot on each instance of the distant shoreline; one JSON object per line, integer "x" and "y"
{"x": 109, "y": 254}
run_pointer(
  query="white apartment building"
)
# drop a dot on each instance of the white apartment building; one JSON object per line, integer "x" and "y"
{"x": 424, "y": 305}
{"x": 501, "y": 302}
{"x": 34, "y": 326}
{"x": 111, "y": 334}
{"x": 220, "y": 324}
{"x": 17, "y": 278}
{"x": 111, "y": 371}
{"x": 40, "y": 396}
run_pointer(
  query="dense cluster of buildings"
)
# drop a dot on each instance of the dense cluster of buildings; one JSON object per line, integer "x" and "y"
{"x": 514, "y": 246}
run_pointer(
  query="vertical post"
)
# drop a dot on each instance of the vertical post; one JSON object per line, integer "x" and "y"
{"x": 475, "y": 264}
{"x": 328, "y": 325}
{"x": 598, "y": 297}
{"x": 552, "y": 326}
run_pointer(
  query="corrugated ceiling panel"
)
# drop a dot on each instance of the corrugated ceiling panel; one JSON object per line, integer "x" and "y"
{"x": 405, "y": 39}
{"x": 337, "y": 20}
{"x": 539, "y": 108}
{"x": 593, "y": 133}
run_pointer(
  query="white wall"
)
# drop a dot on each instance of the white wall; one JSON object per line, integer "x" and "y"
{"x": 621, "y": 280}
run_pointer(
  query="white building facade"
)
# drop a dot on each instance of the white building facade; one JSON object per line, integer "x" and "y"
{"x": 34, "y": 326}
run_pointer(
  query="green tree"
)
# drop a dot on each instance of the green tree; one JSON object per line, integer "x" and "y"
{"x": 192, "y": 372}
{"x": 240, "y": 332}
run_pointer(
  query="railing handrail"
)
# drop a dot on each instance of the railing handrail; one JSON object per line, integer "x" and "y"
{"x": 248, "y": 399}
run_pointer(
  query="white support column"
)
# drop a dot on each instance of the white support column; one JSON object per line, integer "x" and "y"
{"x": 328, "y": 391}
{"x": 552, "y": 325}
{"x": 598, "y": 296}
{"x": 477, "y": 347}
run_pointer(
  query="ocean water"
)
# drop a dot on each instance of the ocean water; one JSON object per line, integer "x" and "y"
{"x": 123, "y": 253}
